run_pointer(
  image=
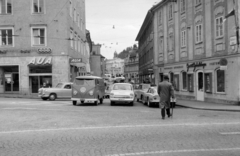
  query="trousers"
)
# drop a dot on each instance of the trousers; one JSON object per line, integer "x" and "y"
{"x": 163, "y": 112}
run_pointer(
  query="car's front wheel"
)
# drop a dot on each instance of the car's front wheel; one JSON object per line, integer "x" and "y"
{"x": 74, "y": 103}
{"x": 112, "y": 103}
{"x": 52, "y": 97}
{"x": 132, "y": 103}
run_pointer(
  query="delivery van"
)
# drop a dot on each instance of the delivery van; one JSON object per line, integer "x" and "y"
{"x": 88, "y": 89}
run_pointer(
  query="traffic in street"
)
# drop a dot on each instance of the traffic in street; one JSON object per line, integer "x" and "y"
{"x": 36, "y": 127}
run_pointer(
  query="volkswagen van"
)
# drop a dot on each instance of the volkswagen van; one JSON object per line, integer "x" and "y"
{"x": 88, "y": 89}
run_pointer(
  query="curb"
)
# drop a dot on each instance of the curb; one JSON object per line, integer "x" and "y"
{"x": 210, "y": 109}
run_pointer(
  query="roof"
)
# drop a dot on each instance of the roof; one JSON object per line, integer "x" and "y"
{"x": 88, "y": 77}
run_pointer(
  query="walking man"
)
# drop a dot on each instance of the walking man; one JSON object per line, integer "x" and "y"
{"x": 165, "y": 91}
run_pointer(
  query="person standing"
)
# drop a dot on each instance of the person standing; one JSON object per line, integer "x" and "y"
{"x": 165, "y": 92}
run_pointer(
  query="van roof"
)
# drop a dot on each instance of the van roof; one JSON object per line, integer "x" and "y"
{"x": 88, "y": 77}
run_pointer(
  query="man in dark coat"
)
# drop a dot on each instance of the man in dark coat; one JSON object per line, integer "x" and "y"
{"x": 165, "y": 91}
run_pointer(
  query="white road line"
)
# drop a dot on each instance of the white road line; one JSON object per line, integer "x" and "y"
{"x": 177, "y": 151}
{"x": 122, "y": 126}
{"x": 230, "y": 133}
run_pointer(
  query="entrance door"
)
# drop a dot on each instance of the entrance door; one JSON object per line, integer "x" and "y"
{"x": 11, "y": 82}
{"x": 200, "y": 84}
{"x": 37, "y": 82}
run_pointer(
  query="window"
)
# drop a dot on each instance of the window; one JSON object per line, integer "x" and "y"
{"x": 199, "y": 33}
{"x": 75, "y": 15}
{"x": 71, "y": 39}
{"x": 159, "y": 18}
{"x": 38, "y": 6}
{"x": 78, "y": 20}
{"x": 5, "y": 7}
{"x": 75, "y": 42}
{"x": 183, "y": 38}
{"x": 183, "y": 6}
{"x": 6, "y": 37}
{"x": 190, "y": 82}
{"x": 79, "y": 44}
{"x": 170, "y": 42}
{"x": 70, "y": 8}
{"x": 208, "y": 82}
{"x": 38, "y": 36}
{"x": 220, "y": 81}
{"x": 219, "y": 27}
{"x": 170, "y": 13}
{"x": 184, "y": 80}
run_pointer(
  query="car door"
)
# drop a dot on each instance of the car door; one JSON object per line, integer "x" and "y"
{"x": 147, "y": 94}
{"x": 66, "y": 92}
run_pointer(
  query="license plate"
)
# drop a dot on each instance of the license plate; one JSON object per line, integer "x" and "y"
{"x": 89, "y": 101}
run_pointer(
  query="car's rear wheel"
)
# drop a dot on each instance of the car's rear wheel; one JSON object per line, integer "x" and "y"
{"x": 74, "y": 103}
{"x": 112, "y": 103}
{"x": 96, "y": 102}
{"x": 44, "y": 98}
{"x": 101, "y": 100}
{"x": 52, "y": 97}
{"x": 149, "y": 103}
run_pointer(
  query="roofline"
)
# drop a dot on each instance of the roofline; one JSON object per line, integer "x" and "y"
{"x": 148, "y": 18}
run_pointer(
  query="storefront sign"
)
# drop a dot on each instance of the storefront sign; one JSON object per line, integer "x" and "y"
{"x": 75, "y": 60}
{"x": 178, "y": 67}
{"x": 195, "y": 64}
{"x": 44, "y": 50}
{"x": 167, "y": 68}
{"x": 40, "y": 61}
{"x": 214, "y": 63}
{"x": 233, "y": 41}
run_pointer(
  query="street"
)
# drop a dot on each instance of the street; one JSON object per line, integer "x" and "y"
{"x": 33, "y": 127}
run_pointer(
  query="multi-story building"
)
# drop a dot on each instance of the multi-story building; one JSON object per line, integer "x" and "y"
{"x": 41, "y": 41}
{"x": 97, "y": 61}
{"x": 194, "y": 42}
{"x": 114, "y": 66}
{"x": 131, "y": 65}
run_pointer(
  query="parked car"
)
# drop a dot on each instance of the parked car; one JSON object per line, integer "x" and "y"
{"x": 122, "y": 93}
{"x": 139, "y": 92}
{"x": 88, "y": 89}
{"x": 151, "y": 97}
{"x": 107, "y": 91}
{"x": 62, "y": 90}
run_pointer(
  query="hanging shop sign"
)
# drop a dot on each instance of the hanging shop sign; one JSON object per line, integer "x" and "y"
{"x": 75, "y": 60}
{"x": 41, "y": 61}
{"x": 195, "y": 65}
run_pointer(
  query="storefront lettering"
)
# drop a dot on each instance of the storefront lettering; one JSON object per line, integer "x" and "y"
{"x": 214, "y": 63}
{"x": 195, "y": 64}
{"x": 75, "y": 60}
{"x": 178, "y": 67}
{"x": 40, "y": 61}
{"x": 44, "y": 50}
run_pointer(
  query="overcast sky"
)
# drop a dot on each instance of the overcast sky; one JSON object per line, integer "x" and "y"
{"x": 115, "y": 23}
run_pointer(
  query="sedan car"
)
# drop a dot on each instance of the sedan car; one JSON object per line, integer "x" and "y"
{"x": 141, "y": 90}
{"x": 151, "y": 97}
{"x": 122, "y": 93}
{"x": 62, "y": 90}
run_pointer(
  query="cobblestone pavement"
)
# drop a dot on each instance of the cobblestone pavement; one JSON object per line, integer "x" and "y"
{"x": 31, "y": 127}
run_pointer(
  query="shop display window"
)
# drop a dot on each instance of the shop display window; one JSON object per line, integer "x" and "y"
{"x": 176, "y": 82}
{"x": 220, "y": 81}
{"x": 208, "y": 82}
{"x": 190, "y": 79}
{"x": 184, "y": 80}
{"x": 40, "y": 69}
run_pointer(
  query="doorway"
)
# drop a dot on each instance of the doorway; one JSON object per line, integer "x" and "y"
{"x": 37, "y": 82}
{"x": 200, "y": 86}
{"x": 11, "y": 82}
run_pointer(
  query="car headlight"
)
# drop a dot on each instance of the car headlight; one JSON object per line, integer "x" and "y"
{"x": 91, "y": 92}
{"x": 75, "y": 92}
{"x": 132, "y": 95}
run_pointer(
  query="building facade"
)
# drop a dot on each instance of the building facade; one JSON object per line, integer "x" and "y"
{"x": 114, "y": 66}
{"x": 44, "y": 42}
{"x": 131, "y": 65}
{"x": 195, "y": 41}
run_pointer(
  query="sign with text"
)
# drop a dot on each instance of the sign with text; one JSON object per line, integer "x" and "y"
{"x": 41, "y": 61}
{"x": 75, "y": 60}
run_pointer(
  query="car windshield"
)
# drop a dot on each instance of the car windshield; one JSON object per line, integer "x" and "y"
{"x": 122, "y": 87}
{"x": 59, "y": 85}
{"x": 85, "y": 82}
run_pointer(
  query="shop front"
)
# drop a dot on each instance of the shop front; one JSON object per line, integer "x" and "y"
{"x": 206, "y": 80}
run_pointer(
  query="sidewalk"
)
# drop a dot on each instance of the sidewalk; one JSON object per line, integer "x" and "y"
{"x": 207, "y": 106}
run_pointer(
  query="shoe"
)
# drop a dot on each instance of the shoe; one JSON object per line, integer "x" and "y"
{"x": 169, "y": 116}
{"x": 163, "y": 118}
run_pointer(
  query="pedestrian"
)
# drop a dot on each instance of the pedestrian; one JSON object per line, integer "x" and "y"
{"x": 165, "y": 91}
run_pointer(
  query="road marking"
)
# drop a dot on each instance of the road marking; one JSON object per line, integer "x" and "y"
{"x": 177, "y": 151}
{"x": 230, "y": 133}
{"x": 122, "y": 126}
{"x": 17, "y": 108}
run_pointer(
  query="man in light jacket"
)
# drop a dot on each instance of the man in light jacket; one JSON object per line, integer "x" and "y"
{"x": 165, "y": 91}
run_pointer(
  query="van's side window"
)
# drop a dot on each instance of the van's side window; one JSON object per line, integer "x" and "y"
{"x": 97, "y": 82}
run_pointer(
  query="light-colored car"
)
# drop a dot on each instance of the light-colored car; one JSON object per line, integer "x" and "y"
{"x": 122, "y": 93}
{"x": 151, "y": 97}
{"x": 107, "y": 91}
{"x": 62, "y": 90}
{"x": 141, "y": 90}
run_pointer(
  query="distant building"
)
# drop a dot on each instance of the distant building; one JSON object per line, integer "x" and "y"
{"x": 41, "y": 41}
{"x": 131, "y": 65}
{"x": 114, "y": 66}
{"x": 97, "y": 61}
